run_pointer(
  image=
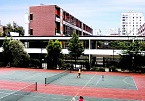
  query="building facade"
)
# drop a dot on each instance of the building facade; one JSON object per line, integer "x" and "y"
{"x": 141, "y": 30}
{"x": 94, "y": 52}
{"x": 131, "y": 22}
{"x": 112, "y": 31}
{"x": 51, "y": 20}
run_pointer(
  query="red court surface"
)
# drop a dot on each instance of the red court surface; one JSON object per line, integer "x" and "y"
{"x": 112, "y": 93}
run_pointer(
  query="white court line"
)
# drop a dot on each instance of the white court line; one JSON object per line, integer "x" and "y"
{"x": 84, "y": 86}
{"x": 20, "y": 80}
{"x": 24, "y": 78}
{"x": 7, "y": 73}
{"x": 124, "y": 80}
{"x": 135, "y": 83}
{"x": 31, "y": 76}
{"x": 35, "y": 96}
{"x": 28, "y": 77}
{"x": 98, "y": 81}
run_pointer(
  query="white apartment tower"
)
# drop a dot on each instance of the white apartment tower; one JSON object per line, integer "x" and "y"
{"x": 131, "y": 22}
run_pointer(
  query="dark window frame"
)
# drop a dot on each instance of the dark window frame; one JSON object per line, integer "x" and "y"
{"x": 31, "y": 31}
{"x": 31, "y": 16}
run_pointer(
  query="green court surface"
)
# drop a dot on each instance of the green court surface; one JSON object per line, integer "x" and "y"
{"x": 123, "y": 82}
{"x": 26, "y": 76}
{"x": 54, "y": 97}
{"x": 86, "y": 80}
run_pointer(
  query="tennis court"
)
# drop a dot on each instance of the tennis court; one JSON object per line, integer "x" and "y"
{"x": 21, "y": 84}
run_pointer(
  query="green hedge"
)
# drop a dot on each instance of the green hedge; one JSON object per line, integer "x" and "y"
{"x": 100, "y": 69}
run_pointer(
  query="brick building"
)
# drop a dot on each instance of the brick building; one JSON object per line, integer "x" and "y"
{"x": 51, "y": 20}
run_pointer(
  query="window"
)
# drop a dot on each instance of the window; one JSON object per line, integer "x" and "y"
{"x": 31, "y": 16}
{"x": 31, "y": 31}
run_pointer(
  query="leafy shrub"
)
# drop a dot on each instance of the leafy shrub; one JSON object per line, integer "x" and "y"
{"x": 1, "y": 64}
{"x": 113, "y": 68}
{"x": 35, "y": 63}
{"x": 65, "y": 66}
{"x": 101, "y": 69}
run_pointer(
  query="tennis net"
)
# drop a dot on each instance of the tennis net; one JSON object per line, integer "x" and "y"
{"x": 17, "y": 95}
{"x": 48, "y": 80}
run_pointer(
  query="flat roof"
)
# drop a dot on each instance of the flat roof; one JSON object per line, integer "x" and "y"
{"x": 107, "y": 38}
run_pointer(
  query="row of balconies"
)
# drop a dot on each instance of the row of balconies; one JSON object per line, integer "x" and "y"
{"x": 141, "y": 29}
{"x": 68, "y": 29}
{"x": 72, "y": 20}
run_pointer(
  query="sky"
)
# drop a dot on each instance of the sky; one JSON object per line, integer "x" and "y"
{"x": 98, "y": 14}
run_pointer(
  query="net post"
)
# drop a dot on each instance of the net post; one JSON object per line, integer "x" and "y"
{"x": 45, "y": 81}
{"x": 36, "y": 87}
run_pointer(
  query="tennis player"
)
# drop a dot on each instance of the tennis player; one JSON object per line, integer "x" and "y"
{"x": 79, "y": 73}
{"x": 81, "y": 98}
{"x": 102, "y": 77}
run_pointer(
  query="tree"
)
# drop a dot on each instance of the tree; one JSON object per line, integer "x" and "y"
{"x": 75, "y": 47}
{"x": 54, "y": 53}
{"x": 19, "y": 56}
{"x": 99, "y": 44}
{"x": 118, "y": 44}
{"x": 6, "y": 53}
{"x": 13, "y": 52}
{"x": 12, "y": 28}
{"x": 142, "y": 45}
{"x": 132, "y": 55}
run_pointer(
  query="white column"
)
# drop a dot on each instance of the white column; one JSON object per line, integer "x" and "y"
{"x": 26, "y": 24}
{"x": 89, "y": 49}
{"x": 61, "y": 22}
